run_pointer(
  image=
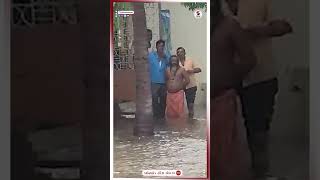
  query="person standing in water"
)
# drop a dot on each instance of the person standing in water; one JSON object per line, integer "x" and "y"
{"x": 191, "y": 89}
{"x": 176, "y": 81}
{"x": 158, "y": 63}
{"x": 231, "y": 154}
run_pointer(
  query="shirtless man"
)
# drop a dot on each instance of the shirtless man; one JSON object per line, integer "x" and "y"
{"x": 231, "y": 155}
{"x": 230, "y": 40}
{"x": 176, "y": 81}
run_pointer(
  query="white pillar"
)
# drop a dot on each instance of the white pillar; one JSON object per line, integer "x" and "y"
{"x": 5, "y": 88}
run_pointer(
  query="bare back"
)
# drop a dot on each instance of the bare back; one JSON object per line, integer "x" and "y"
{"x": 229, "y": 41}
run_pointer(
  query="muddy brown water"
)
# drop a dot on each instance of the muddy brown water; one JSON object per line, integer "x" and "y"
{"x": 177, "y": 146}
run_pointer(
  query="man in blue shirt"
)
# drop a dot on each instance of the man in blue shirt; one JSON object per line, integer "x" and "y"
{"x": 158, "y": 62}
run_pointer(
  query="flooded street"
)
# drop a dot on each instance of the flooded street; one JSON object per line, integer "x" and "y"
{"x": 182, "y": 147}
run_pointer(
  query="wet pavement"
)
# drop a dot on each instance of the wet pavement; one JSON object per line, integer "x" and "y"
{"x": 176, "y": 145}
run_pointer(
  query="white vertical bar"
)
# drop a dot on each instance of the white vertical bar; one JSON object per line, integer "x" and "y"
{"x": 208, "y": 81}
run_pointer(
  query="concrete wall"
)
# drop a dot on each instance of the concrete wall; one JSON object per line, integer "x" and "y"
{"x": 314, "y": 90}
{"x": 5, "y": 89}
{"x": 152, "y": 18}
{"x": 125, "y": 85}
{"x": 292, "y": 55}
{"x": 190, "y": 33}
{"x": 124, "y": 80}
{"x": 47, "y": 78}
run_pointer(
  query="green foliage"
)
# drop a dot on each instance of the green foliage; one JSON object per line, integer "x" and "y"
{"x": 193, "y": 6}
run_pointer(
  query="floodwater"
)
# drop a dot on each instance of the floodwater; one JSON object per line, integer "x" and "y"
{"x": 178, "y": 146}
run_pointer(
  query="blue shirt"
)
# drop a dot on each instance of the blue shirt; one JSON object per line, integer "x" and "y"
{"x": 157, "y": 67}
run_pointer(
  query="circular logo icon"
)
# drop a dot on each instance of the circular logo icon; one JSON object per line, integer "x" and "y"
{"x": 197, "y": 13}
{"x": 178, "y": 173}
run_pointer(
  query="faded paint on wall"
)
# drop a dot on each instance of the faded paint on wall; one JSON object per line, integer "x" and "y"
{"x": 190, "y": 33}
{"x": 124, "y": 85}
{"x": 152, "y": 19}
{"x": 292, "y": 106}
